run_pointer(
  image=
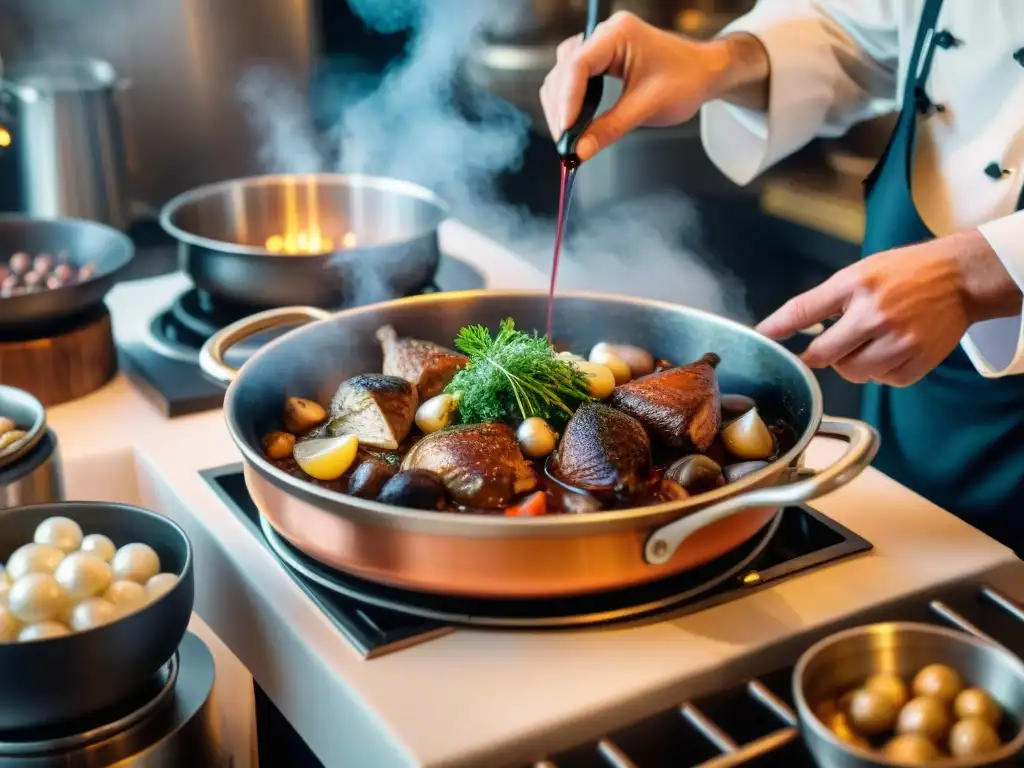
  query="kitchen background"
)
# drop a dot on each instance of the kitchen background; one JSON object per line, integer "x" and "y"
{"x": 437, "y": 91}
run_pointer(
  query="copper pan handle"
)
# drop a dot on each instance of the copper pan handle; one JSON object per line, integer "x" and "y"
{"x": 211, "y": 355}
{"x": 861, "y": 449}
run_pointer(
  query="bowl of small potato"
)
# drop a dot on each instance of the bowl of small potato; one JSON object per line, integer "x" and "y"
{"x": 902, "y": 694}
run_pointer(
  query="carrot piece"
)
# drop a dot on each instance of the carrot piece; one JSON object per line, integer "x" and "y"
{"x": 534, "y": 505}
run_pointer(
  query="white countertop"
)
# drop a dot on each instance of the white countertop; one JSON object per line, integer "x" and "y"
{"x": 472, "y": 697}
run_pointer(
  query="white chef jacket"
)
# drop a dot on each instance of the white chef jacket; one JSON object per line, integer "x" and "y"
{"x": 838, "y": 62}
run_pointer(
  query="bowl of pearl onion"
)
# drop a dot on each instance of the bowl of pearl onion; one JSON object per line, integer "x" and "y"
{"x": 94, "y": 599}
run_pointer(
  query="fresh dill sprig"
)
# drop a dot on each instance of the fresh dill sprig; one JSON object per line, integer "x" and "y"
{"x": 513, "y": 376}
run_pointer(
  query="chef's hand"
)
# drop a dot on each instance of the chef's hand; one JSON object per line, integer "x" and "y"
{"x": 665, "y": 78}
{"x": 901, "y": 312}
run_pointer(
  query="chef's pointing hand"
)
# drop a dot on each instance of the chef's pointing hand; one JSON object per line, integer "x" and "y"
{"x": 901, "y": 312}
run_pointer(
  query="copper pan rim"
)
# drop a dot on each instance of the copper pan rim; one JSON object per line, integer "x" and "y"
{"x": 499, "y": 526}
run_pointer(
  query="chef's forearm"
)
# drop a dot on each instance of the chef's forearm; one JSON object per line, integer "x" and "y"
{"x": 742, "y": 71}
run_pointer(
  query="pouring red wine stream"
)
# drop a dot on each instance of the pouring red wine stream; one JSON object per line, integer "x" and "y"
{"x": 570, "y": 161}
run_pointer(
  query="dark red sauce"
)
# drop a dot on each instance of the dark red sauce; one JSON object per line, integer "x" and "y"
{"x": 568, "y": 174}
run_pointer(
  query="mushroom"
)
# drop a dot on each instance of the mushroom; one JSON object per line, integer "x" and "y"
{"x": 301, "y": 415}
{"x": 414, "y": 488}
{"x": 748, "y": 438}
{"x": 369, "y": 478}
{"x": 737, "y": 405}
{"x": 734, "y": 472}
{"x": 536, "y": 437}
{"x": 696, "y": 473}
{"x": 278, "y": 445}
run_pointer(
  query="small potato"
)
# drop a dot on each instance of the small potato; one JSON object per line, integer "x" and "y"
{"x": 9, "y": 439}
{"x": 925, "y": 716}
{"x": 871, "y": 712}
{"x": 301, "y": 415}
{"x": 911, "y": 749}
{"x": 278, "y": 445}
{"x": 938, "y": 680}
{"x": 889, "y": 685}
{"x": 973, "y": 738}
{"x": 974, "y": 703}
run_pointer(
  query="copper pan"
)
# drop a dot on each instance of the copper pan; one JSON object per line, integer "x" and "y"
{"x": 486, "y": 556}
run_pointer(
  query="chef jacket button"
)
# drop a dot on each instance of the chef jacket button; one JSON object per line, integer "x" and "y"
{"x": 945, "y": 39}
{"x": 1018, "y": 56}
{"x": 995, "y": 171}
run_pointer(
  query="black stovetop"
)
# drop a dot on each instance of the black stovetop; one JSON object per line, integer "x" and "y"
{"x": 804, "y": 539}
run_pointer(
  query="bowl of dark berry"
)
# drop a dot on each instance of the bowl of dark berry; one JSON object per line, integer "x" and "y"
{"x": 53, "y": 269}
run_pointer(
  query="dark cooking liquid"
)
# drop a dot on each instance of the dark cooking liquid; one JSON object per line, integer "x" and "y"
{"x": 560, "y": 498}
{"x": 568, "y": 175}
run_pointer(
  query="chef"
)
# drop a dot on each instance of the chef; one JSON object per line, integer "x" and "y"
{"x": 930, "y": 318}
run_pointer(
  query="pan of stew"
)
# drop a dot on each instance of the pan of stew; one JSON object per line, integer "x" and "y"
{"x": 441, "y": 444}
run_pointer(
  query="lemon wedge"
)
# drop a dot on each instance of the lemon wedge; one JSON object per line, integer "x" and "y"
{"x": 326, "y": 458}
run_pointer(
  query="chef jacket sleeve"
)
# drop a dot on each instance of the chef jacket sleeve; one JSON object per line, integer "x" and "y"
{"x": 996, "y": 347}
{"x": 833, "y": 63}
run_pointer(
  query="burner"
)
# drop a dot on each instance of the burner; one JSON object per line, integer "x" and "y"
{"x": 378, "y": 619}
{"x": 164, "y": 363}
{"x": 574, "y": 612}
{"x": 173, "y": 722}
{"x": 104, "y": 725}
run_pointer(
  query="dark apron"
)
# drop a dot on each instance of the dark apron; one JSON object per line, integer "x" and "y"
{"x": 955, "y": 437}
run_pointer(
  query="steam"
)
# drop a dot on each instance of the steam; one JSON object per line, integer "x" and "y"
{"x": 408, "y": 125}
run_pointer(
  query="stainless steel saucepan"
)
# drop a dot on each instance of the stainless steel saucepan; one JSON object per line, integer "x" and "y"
{"x": 509, "y": 557}
{"x": 321, "y": 239}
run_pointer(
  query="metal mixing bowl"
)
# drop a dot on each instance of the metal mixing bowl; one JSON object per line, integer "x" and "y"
{"x": 844, "y": 660}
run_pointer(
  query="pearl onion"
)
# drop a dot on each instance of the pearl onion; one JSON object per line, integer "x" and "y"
{"x": 61, "y": 532}
{"x": 36, "y": 597}
{"x": 536, "y": 437}
{"x": 600, "y": 379}
{"x": 160, "y": 585}
{"x": 83, "y": 574}
{"x": 99, "y": 545}
{"x": 9, "y": 625}
{"x": 136, "y": 562}
{"x": 127, "y": 596}
{"x": 42, "y": 631}
{"x": 33, "y": 558}
{"x": 94, "y": 612}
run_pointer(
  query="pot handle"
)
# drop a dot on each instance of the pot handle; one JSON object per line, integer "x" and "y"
{"x": 863, "y": 445}
{"x": 211, "y": 355}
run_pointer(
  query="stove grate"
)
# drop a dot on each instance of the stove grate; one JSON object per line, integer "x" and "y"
{"x": 754, "y": 723}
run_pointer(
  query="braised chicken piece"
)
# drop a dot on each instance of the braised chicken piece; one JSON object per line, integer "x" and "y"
{"x": 377, "y": 409}
{"x": 603, "y": 451}
{"x": 680, "y": 406}
{"x": 480, "y": 464}
{"x": 427, "y": 365}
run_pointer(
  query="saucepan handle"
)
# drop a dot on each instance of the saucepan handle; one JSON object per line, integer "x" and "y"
{"x": 211, "y": 355}
{"x": 861, "y": 449}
